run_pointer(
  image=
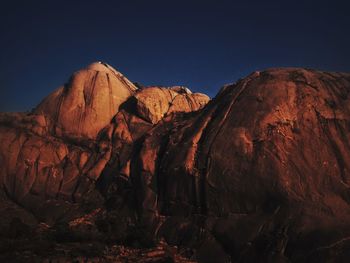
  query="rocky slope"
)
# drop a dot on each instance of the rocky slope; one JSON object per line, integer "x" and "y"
{"x": 259, "y": 174}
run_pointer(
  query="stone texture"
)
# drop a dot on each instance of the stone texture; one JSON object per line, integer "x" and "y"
{"x": 259, "y": 174}
{"x": 154, "y": 103}
{"x": 52, "y": 157}
{"x": 87, "y": 103}
{"x": 269, "y": 156}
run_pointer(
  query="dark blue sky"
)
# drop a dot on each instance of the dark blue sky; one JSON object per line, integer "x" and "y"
{"x": 200, "y": 44}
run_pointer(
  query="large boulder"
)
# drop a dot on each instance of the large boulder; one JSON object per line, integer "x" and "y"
{"x": 154, "y": 103}
{"x": 87, "y": 103}
{"x": 268, "y": 161}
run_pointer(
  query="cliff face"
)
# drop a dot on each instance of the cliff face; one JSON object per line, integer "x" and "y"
{"x": 260, "y": 173}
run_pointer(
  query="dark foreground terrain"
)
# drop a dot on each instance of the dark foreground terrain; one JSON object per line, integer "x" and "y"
{"x": 105, "y": 171}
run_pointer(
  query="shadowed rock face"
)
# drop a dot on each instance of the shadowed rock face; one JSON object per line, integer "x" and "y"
{"x": 260, "y": 174}
{"x": 279, "y": 133}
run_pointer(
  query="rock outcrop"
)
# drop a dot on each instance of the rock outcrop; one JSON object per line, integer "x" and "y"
{"x": 260, "y": 173}
{"x": 154, "y": 103}
{"x": 87, "y": 103}
{"x": 266, "y": 163}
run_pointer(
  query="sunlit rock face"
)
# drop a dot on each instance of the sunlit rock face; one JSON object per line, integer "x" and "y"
{"x": 258, "y": 174}
{"x": 87, "y": 102}
{"x": 154, "y": 103}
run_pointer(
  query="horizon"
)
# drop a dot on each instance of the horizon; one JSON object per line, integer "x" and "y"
{"x": 202, "y": 46}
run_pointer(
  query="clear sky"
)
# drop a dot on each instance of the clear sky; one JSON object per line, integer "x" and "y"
{"x": 199, "y": 44}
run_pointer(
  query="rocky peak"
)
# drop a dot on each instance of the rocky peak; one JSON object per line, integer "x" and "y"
{"x": 87, "y": 103}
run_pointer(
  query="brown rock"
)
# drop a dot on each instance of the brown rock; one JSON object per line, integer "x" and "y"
{"x": 274, "y": 145}
{"x": 88, "y": 102}
{"x": 261, "y": 173}
{"x": 154, "y": 103}
{"x": 181, "y": 89}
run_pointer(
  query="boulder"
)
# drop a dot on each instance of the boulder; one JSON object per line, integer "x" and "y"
{"x": 270, "y": 154}
{"x": 87, "y": 103}
{"x": 153, "y": 103}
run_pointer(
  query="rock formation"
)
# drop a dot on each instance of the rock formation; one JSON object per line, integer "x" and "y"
{"x": 258, "y": 174}
{"x": 88, "y": 102}
{"x": 154, "y": 103}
